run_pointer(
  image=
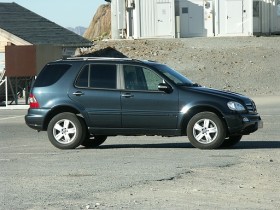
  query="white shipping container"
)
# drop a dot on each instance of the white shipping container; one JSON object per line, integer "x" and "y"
{"x": 154, "y": 18}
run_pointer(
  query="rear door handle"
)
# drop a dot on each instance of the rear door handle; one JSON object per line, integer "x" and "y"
{"x": 78, "y": 93}
{"x": 127, "y": 95}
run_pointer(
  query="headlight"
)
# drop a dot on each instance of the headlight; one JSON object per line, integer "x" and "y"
{"x": 235, "y": 106}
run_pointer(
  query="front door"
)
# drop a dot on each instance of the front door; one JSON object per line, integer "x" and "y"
{"x": 234, "y": 22}
{"x": 143, "y": 105}
{"x": 163, "y": 19}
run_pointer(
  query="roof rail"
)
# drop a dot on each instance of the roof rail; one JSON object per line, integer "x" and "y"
{"x": 97, "y": 58}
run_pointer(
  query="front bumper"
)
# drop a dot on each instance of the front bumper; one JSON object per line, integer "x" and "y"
{"x": 243, "y": 124}
{"x": 35, "y": 118}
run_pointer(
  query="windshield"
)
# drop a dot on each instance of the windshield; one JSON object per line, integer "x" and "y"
{"x": 173, "y": 75}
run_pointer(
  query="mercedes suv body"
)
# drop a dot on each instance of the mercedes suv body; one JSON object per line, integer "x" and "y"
{"x": 83, "y": 101}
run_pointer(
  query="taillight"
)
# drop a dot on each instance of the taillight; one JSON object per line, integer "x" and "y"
{"x": 33, "y": 103}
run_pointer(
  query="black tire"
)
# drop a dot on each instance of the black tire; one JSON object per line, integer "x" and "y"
{"x": 231, "y": 141}
{"x": 206, "y": 130}
{"x": 93, "y": 141}
{"x": 66, "y": 131}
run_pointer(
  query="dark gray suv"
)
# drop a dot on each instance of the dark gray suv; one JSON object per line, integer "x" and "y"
{"x": 82, "y": 101}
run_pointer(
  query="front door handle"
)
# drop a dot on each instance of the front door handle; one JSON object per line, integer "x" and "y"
{"x": 127, "y": 95}
{"x": 78, "y": 93}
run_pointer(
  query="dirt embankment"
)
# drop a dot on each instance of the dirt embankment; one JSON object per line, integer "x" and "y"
{"x": 248, "y": 65}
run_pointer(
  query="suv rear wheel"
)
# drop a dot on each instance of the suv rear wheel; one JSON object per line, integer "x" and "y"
{"x": 206, "y": 131}
{"x": 66, "y": 131}
{"x": 93, "y": 141}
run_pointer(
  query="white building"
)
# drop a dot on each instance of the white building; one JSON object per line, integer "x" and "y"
{"x": 215, "y": 17}
{"x": 191, "y": 18}
{"x": 27, "y": 42}
{"x": 143, "y": 18}
{"x": 266, "y": 16}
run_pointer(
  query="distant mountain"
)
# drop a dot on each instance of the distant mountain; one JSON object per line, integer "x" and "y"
{"x": 80, "y": 30}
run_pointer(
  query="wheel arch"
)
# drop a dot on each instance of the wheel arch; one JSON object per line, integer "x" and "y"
{"x": 60, "y": 109}
{"x": 197, "y": 109}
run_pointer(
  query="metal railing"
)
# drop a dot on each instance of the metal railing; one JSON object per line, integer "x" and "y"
{"x": 4, "y": 81}
{"x": 15, "y": 90}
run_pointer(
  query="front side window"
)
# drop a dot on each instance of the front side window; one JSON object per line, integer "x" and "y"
{"x": 140, "y": 78}
{"x": 98, "y": 76}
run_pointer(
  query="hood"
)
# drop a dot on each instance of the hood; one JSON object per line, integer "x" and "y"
{"x": 219, "y": 93}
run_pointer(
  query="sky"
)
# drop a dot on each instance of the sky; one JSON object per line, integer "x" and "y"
{"x": 66, "y": 13}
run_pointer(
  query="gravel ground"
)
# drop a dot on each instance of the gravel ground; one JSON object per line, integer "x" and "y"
{"x": 140, "y": 173}
{"x": 248, "y": 65}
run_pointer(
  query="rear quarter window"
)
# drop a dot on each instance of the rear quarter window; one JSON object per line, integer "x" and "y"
{"x": 50, "y": 74}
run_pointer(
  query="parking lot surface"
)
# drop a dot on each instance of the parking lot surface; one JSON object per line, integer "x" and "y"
{"x": 139, "y": 172}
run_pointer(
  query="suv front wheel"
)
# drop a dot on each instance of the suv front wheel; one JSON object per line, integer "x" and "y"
{"x": 231, "y": 141}
{"x": 66, "y": 131}
{"x": 206, "y": 131}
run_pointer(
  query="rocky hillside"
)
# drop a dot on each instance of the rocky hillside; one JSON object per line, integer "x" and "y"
{"x": 100, "y": 25}
{"x": 248, "y": 65}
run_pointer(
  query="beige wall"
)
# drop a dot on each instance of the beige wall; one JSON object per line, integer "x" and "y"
{"x": 41, "y": 56}
{"x": 45, "y": 54}
{"x": 6, "y": 37}
{"x": 28, "y": 60}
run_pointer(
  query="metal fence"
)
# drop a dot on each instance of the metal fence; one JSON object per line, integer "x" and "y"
{"x": 15, "y": 90}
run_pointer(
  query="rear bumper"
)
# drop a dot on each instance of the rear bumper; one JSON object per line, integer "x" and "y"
{"x": 243, "y": 124}
{"x": 35, "y": 118}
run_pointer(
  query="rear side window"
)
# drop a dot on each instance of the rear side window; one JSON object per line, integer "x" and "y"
{"x": 98, "y": 76}
{"x": 51, "y": 74}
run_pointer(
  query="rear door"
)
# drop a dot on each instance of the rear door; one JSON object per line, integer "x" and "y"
{"x": 95, "y": 89}
{"x": 143, "y": 105}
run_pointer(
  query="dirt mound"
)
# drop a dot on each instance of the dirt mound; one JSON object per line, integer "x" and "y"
{"x": 248, "y": 65}
{"x": 106, "y": 52}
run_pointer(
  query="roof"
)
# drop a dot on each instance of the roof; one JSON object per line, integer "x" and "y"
{"x": 36, "y": 29}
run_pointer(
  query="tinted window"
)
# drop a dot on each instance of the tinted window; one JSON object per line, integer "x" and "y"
{"x": 152, "y": 79}
{"x": 83, "y": 78}
{"x": 98, "y": 76}
{"x": 139, "y": 78}
{"x": 51, "y": 74}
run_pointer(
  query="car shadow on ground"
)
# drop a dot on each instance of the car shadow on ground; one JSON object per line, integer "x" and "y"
{"x": 135, "y": 146}
{"x": 241, "y": 145}
{"x": 257, "y": 145}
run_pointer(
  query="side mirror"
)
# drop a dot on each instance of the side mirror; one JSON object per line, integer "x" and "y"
{"x": 165, "y": 88}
